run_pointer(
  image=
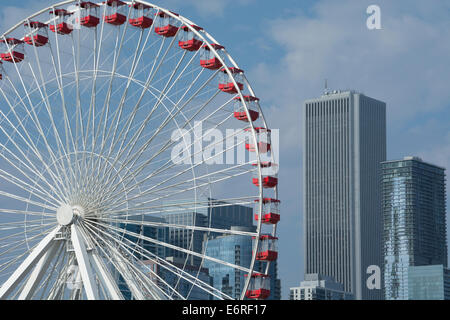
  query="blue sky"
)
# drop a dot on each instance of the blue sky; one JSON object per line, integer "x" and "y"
{"x": 289, "y": 47}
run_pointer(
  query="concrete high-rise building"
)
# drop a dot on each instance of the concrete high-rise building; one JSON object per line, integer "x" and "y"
{"x": 414, "y": 221}
{"x": 344, "y": 142}
{"x": 319, "y": 287}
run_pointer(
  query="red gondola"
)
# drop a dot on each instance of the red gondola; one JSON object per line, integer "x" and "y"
{"x": 89, "y": 14}
{"x": 60, "y": 24}
{"x": 15, "y": 50}
{"x": 115, "y": 12}
{"x": 262, "y": 138}
{"x": 252, "y": 105}
{"x": 270, "y": 211}
{"x": 225, "y": 82}
{"x": 1, "y": 70}
{"x": 208, "y": 59}
{"x": 166, "y": 25}
{"x": 269, "y": 173}
{"x": 189, "y": 40}
{"x": 38, "y": 35}
{"x": 259, "y": 287}
{"x": 140, "y": 16}
{"x": 267, "y": 248}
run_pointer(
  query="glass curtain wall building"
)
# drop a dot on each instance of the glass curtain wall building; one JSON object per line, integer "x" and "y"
{"x": 237, "y": 250}
{"x": 429, "y": 283}
{"x": 137, "y": 244}
{"x": 414, "y": 221}
{"x": 234, "y": 249}
{"x": 344, "y": 142}
{"x": 185, "y": 288}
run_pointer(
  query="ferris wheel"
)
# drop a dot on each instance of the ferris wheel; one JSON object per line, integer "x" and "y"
{"x": 131, "y": 145}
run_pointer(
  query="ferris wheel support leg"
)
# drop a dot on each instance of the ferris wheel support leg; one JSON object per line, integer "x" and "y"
{"x": 126, "y": 274}
{"x": 105, "y": 277}
{"x": 38, "y": 272}
{"x": 83, "y": 263}
{"x": 76, "y": 292}
{"x": 28, "y": 264}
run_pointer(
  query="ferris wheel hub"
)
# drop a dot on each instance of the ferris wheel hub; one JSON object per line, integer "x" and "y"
{"x": 67, "y": 213}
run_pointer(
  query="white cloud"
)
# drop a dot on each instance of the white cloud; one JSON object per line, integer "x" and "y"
{"x": 404, "y": 64}
{"x": 206, "y": 7}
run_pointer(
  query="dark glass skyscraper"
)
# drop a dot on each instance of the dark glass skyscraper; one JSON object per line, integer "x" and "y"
{"x": 414, "y": 221}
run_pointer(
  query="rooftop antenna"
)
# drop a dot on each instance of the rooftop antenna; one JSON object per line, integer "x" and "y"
{"x": 326, "y": 87}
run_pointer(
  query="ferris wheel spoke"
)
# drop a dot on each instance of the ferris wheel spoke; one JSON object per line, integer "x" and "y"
{"x": 32, "y": 283}
{"x": 183, "y": 206}
{"x": 178, "y": 226}
{"x": 27, "y": 264}
{"x": 26, "y": 187}
{"x": 28, "y": 140}
{"x": 12, "y": 162}
{"x": 169, "y": 164}
{"x": 118, "y": 114}
{"x": 117, "y": 52}
{"x": 152, "y": 191}
{"x": 126, "y": 270}
{"x": 46, "y": 101}
{"x": 171, "y": 116}
{"x": 126, "y": 266}
{"x": 25, "y": 200}
{"x": 57, "y": 290}
{"x": 105, "y": 111}
{"x": 57, "y": 68}
{"x": 150, "y": 76}
{"x": 159, "y": 99}
{"x": 113, "y": 142}
{"x": 78, "y": 117}
{"x": 26, "y": 212}
{"x": 17, "y": 244}
{"x": 134, "y": 140}
{"x": 117, "y": 204}
{"x": 34, "y": 227}
{"x": 170, "y": 246}
{"x": 47, "y": 279}
{"x": 105, "y": 277}
{"x": 97, "y": 48}
{"x": 126, "y": 127}
{"x": 165, "y": 265}
{"x": 107, "y": 253}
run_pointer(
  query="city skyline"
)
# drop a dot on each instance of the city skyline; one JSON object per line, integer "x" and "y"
{"x": 325, "y": 40}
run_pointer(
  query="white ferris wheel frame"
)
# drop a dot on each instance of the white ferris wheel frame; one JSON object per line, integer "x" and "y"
{"x": 38, "y": 260}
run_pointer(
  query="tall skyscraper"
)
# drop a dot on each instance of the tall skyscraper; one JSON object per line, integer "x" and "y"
{"x": 414, "y": 221}
{"x": 344, "y": 142}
